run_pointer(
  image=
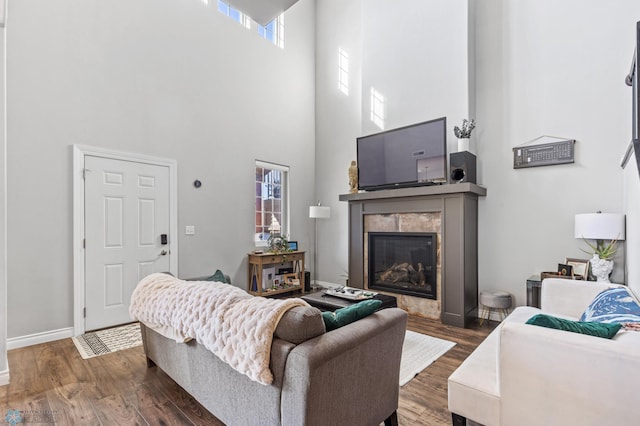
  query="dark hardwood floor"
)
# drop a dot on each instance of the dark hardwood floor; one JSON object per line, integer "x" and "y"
{"x": 423, "y": 401}
{"x": 51, "y": 382}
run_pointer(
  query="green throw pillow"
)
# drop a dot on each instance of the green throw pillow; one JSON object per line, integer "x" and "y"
{"x": 344, "y": 316}
{"x": 598, "y": 329}
{"x": 218, "y": 276}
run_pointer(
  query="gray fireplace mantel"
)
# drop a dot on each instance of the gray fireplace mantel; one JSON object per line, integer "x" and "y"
{"x": 458, "y": 204}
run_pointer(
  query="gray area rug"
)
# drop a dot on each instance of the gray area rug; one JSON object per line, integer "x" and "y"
{"x": 418, "y": 352}
{"x": 109, "y": 340}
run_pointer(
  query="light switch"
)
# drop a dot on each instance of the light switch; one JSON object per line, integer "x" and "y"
{"x": 190, "y": 230}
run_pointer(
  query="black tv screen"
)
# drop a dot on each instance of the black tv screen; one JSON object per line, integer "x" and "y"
{"x": 407, "y": 156}
{"x": 632, "y": 80}
{"x": 633, "y": 77}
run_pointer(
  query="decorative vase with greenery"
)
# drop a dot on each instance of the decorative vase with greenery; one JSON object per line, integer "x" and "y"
{"x": 278, "y": 244}
{"x": 601, "y": 263}
{"x": 464, "y": 133}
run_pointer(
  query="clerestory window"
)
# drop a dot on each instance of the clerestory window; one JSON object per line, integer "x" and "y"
{"x": 233, "y": 13}
{"x": 273, "y": 31}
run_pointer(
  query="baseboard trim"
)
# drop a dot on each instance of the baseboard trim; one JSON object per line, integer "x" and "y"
{"x": 4, "y": 377}
{"x": 37, "y": 338}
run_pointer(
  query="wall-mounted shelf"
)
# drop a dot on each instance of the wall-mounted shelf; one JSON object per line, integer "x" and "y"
{"x": 550, "y": 152}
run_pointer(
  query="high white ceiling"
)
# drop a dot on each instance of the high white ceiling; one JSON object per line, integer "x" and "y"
{"x": 262, "y": 11}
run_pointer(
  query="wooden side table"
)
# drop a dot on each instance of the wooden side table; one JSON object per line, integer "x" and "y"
{"x": 257, "y": 263}
{"x": 534, "y": 286}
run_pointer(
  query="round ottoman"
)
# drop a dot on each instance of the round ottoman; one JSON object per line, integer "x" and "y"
{"x": 499, "y": 300}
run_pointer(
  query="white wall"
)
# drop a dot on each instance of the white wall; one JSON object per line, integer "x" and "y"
{"x": 548, "y": 68}
{"x": 403, "y": 50}
{"x": 415, "y": 54}
{"x": 541, "y": 68}
{"x": 338, "y": 25}
{"x": 168, "y": 78}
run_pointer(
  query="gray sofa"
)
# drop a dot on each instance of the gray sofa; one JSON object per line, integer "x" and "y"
{"x": 348, "y": 376}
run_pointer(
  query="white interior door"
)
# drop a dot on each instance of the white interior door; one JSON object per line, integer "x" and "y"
{"x": 126, "y": 213}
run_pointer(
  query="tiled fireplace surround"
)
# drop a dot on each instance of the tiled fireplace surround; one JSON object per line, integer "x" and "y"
{"x": 407, "y": 222}
{"x": 451, "y": 211}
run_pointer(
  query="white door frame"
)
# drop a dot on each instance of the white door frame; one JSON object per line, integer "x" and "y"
{"x": 79, "y": 152}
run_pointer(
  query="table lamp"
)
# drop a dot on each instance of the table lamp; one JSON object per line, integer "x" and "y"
{"x": 600, "y": 227}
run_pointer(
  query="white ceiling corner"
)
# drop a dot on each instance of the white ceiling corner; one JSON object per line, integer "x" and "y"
{"x": 262, "y": 11}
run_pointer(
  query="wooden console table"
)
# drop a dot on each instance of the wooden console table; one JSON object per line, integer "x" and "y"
{"x": 257, "y": 263}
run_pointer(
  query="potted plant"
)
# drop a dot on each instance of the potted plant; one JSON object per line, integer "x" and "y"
{"x": 278, "y": 244}
{"x": 601, "y": 263}
{"x": 464, "y": 133}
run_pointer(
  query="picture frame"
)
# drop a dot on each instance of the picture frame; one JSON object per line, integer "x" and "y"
{"x": 580, "y": 267}
{"x": 293, "y": 245}
{"x": 565, "y": 270}
{"x": 291, "y": 280}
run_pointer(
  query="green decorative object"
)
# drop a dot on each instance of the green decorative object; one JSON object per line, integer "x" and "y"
{"x": 597, "y": 329}
{"x": 219, "y": 277}
{"x": 344, "y": 316}
{"x": 604, "y": 251}
{"x": 278, "y": 244}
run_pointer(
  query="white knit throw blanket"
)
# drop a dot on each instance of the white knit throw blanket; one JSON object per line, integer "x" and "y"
{"x": 234, "y": 325}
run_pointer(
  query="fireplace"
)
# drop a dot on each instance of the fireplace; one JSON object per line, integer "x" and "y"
{"x": 449, "y": 210}
{"x": 403, "y": 262}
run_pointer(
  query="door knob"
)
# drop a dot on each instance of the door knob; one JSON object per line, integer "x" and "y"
{"x": 163, "y": 253}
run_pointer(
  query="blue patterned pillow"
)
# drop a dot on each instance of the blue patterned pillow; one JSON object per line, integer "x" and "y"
{"x": 614, "y": 305}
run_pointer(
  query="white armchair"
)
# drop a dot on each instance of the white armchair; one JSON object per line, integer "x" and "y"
{"x": 529, "y": 375}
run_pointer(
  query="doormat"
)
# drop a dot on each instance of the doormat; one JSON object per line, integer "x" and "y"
{"x": 109, "y": 340}
{"x": 418, "y": 352}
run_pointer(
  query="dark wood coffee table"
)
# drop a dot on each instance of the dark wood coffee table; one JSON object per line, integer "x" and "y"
{"x": 324, "y": 302}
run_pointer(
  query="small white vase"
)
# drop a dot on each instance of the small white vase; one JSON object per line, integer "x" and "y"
{"x": 601, "y": 268}
{"x": 463, "y": 144}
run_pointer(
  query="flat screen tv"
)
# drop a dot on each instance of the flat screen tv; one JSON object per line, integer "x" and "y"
{"x": 632, "y": 80}
{"x": 407, "y": 156}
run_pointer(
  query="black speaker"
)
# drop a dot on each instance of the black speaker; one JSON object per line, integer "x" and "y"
{"x": 307, "y": 281}
{"x": 462, "y": 166}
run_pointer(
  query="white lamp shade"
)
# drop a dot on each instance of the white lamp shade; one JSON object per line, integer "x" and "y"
{"x": 600, "y": 226}
{"x": 319, "y": 212}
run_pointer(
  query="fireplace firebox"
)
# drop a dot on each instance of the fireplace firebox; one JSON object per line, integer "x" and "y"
{"x": 403, "y": 262}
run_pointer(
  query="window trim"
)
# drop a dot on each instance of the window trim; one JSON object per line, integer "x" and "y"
{"x": 286, "y": 204}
